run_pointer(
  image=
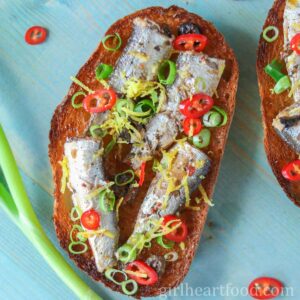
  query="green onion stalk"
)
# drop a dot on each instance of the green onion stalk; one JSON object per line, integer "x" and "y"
{"x": 17, "y": 205}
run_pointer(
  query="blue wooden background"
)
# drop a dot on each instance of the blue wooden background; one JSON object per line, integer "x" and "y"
{"x": 253, "y": 228}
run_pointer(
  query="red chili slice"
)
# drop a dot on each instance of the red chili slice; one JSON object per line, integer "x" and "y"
{"x": 265, "y": 288}
{"x": 35, "y": 35}
{"x": 196, "y": 107}
{"x": 141, "y": 267}
{"x": 295, "y": 43}
{"x": 100, "y": 101}
{"x": 291, "y": 171}
{"x": 90, "y": 219}
{"x": 142, "y": 174}
{"x": 178, "y": 235}
{"x": 191, "y": 126}
{"x": 191, "y": 41}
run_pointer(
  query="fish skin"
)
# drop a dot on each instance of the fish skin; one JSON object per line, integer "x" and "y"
{"x": 165, "y": 125}
{"x": 287, "y": 126}
{"x": 150, "y": 35}
{"x": 85, "y": 174}
{"x": 148, "y": 46}
{"x": 187, "y": 155}
{"x": 291, "y": 28}
{"x": 191, "y": 66}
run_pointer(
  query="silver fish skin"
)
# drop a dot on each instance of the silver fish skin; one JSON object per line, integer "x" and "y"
{"x": 151, "y": 207}
{"x": 291, "y": 28}
{"x": 196, "y": 72}
{"x": 147, "y": 47}
{"x": 160, "y": 133}
{"x": 85, "y": 174}
{"x": 287, "y": 126}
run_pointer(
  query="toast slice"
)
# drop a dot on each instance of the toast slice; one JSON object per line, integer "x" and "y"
{"x": 68, "y": 123}
{"x": 278, "y": 152}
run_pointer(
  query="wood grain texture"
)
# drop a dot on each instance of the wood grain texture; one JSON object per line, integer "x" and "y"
{"x": 252, "y": 231}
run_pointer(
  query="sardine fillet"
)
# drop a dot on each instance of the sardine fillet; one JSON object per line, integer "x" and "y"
{"x": 86, "y": 173}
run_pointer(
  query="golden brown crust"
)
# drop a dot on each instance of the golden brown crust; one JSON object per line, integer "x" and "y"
{"x": 68, "y": 122}
{"x": 278, "y": 152}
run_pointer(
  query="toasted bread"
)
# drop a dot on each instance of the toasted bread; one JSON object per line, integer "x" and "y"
{"x": 278, "y": 152}
{"x": 68, "y": 122}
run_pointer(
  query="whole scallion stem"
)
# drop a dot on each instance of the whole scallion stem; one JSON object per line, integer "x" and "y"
{"x": 20, "y": 210}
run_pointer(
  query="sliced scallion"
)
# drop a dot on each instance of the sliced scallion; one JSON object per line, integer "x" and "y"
{"x": 97, "y": 132}
{"x": 282, "y": 85}
{"x": 274, "y": 70}
{"x": 216, "y": 117}
{"x": 202, "y": 139}
{"x": 120, "y": 176}
{"x": 124, "y": 103}
{"x": 126, "y": 253}
{"x": 145, "y": 106}
{"x": 74, "y": 97}
{"x": 109, "y": 146}
{"x": 126, "y": 291}
{"x": 107, "y": 200}
{"x": 166, "y": 245}
{"x": 75, "y": 213}
{"x": 115, "y": 36}
{"x": 273, "y": 37}
{"x": 76, "y": 244}
{"x": 103, "y": 71}
{"x": 110, "y": 272}
{"x": 167, "y": 72}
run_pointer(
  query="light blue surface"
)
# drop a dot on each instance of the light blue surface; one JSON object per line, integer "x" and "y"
{"x": 254, "y": 227}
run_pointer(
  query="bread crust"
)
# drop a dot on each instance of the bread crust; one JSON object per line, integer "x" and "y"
{"x": 68, "y": 122}
{"x": 278, "y": 152}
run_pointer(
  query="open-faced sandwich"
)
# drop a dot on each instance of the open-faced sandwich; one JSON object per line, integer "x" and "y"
{"x": 278, "y": 69}
{"x": 136, "y": 145}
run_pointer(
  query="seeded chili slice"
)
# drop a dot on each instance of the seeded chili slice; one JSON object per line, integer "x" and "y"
{"x": 90, "y": 219}
{"x": 196, "y": 107}
{"x": 178, "y": 235}
{"x": 100, "y": 101}
{"x": 265, "y": 288}
{"x": 295, "y": 43}
{"x": 189, "y": 42}
{"x": 142, "y": 273}
{"x": 35, "y": 35}
{"x": 191, "y": 126}
{"x": 291, "y": 171}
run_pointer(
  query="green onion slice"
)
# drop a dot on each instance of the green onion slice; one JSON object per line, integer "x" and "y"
{"x": 274, "y": 36}
{"x": 282, "y": 85}
{"x": 97, "y": 132}
{"x": 145, "y": 106}
{"x": 78, "y": 228}
{"x": 107, "y": 200}
{"x": 167, "y": 67}
{"x": 202, "y": 139}
{"x": 216, "y": 117}
{"x": 166, "y": 245}
{"x": 110, "y": 272}
{"x": 171, "y": 256}
{"x": 118, "y": 178}
{"x": 124, "y": 103}
{"x": 274, "y": 70}
{"x": 75, "y": 213}
{"x": 126, "y": 253}
{"x": 83, "y": 246}
{"x": 103, "y": 71}
{"x": 115, "y": 37}
{"x": 77, "y": 105}
{"x": 109, "y": 146}
{"x": 133, "y": 290}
